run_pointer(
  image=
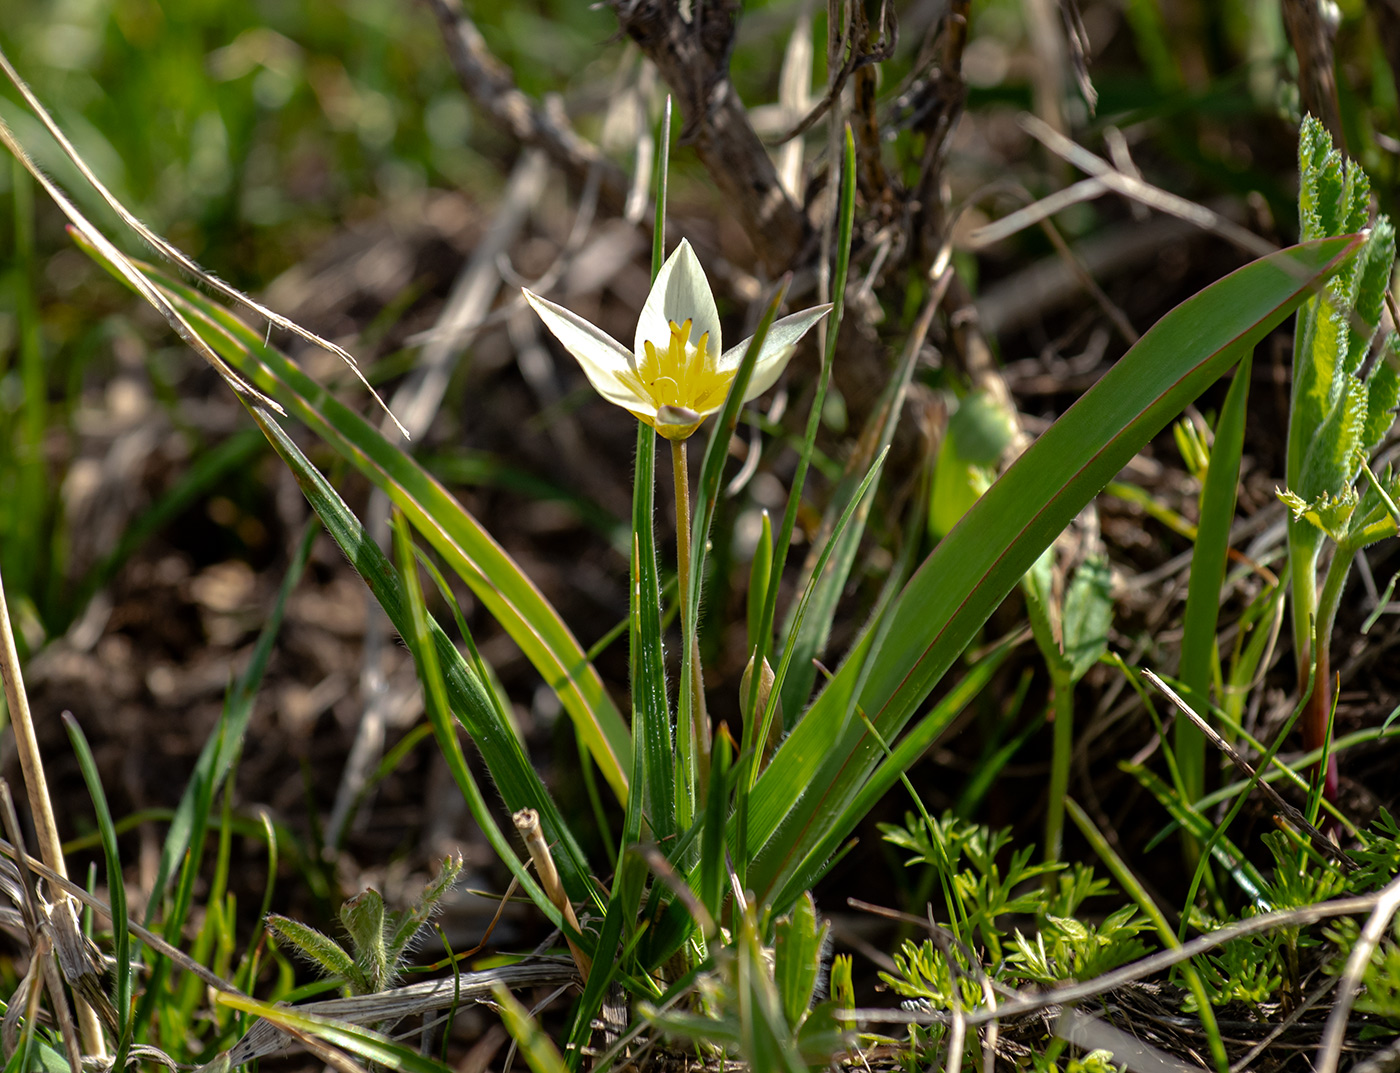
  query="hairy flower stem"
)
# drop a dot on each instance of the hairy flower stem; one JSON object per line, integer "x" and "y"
{"x": 697, "y": 732}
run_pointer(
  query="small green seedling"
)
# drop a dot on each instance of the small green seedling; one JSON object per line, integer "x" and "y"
{"x": 379, "y": 940}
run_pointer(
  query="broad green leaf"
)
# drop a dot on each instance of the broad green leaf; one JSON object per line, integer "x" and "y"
{"x": 912, "y": 746}
{"x": 471, "y": 702}
{"x": 972, "y": 570}
{"x": 850, "y": 518}
{"x": 495, "y": 578}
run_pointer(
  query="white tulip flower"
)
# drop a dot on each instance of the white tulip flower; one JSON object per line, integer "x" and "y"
{"x": 677, "y": 373}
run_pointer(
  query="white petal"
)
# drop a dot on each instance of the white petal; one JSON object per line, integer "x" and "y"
{"x": 681, "y": 292}
{"x": 601, "y": 356}
{"x": 778, "y": 346}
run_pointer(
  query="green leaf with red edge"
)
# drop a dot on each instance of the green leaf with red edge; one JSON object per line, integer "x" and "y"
{"x": 823, "y": 764}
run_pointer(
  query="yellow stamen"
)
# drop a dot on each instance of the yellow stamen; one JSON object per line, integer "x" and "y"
{"x": 683, "y": 376}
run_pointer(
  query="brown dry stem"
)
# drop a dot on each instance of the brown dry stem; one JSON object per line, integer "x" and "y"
{"x": 527, "y": 822}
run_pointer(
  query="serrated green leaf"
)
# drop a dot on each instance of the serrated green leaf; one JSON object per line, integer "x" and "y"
{"x": 1374, "y": 266}
{"x": 1326, "y": 514}
{"x": 1330, "y": 466}
{"x": 1382, "y": 396}
{"x": 1320, "y": 172}
{"x": 1356, "y": 199}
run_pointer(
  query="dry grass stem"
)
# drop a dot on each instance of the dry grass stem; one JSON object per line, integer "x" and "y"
{"x": 1349, "y": 983}
{"x": 40, "y": 805}
{"x": 527, "y": 822}
{"x": 174, "y": 253}
{"x": 1320, "y": 842}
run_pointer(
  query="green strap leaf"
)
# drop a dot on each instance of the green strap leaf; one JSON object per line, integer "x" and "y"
{"x": 973, "y": 569}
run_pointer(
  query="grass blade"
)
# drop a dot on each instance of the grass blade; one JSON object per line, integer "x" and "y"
{"x": 468, "y": 698}
{"x": 1207, "y": 573}
{"x": 813, "y": 642}
{"x": 116, "y": 886}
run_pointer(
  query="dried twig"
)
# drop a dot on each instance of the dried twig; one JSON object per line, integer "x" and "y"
{"x": 1320, "y": 842}
{"x": 693, "y": 59}
{"x": 1334, "y": 1035}
{"x": 40, "y": 805}
{"x": 527, "y": 822}
{"x": 1153, "y": 197}
{"x": 491, "y": 86}
{"x": 1312, "y": 27}
{"x": 266, "y": 1037}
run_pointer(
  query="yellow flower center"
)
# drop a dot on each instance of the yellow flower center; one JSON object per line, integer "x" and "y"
{"x": 683, "y": 375}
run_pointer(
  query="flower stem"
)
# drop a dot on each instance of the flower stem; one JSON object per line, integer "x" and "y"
{"x": 1326, "y": 616}
{"x": 695, "y": 722}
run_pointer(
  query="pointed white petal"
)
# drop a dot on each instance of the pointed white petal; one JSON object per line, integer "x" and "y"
{"x": 681, "y": 292}
{"x": 778, "y": 346}
{"x": 601, "y": 356}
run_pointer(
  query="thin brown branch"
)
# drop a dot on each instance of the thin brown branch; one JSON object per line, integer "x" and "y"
{"x": 693, "y": 59}
{"x": 1311, "y": 31}
{"x": 490, "y": 85}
